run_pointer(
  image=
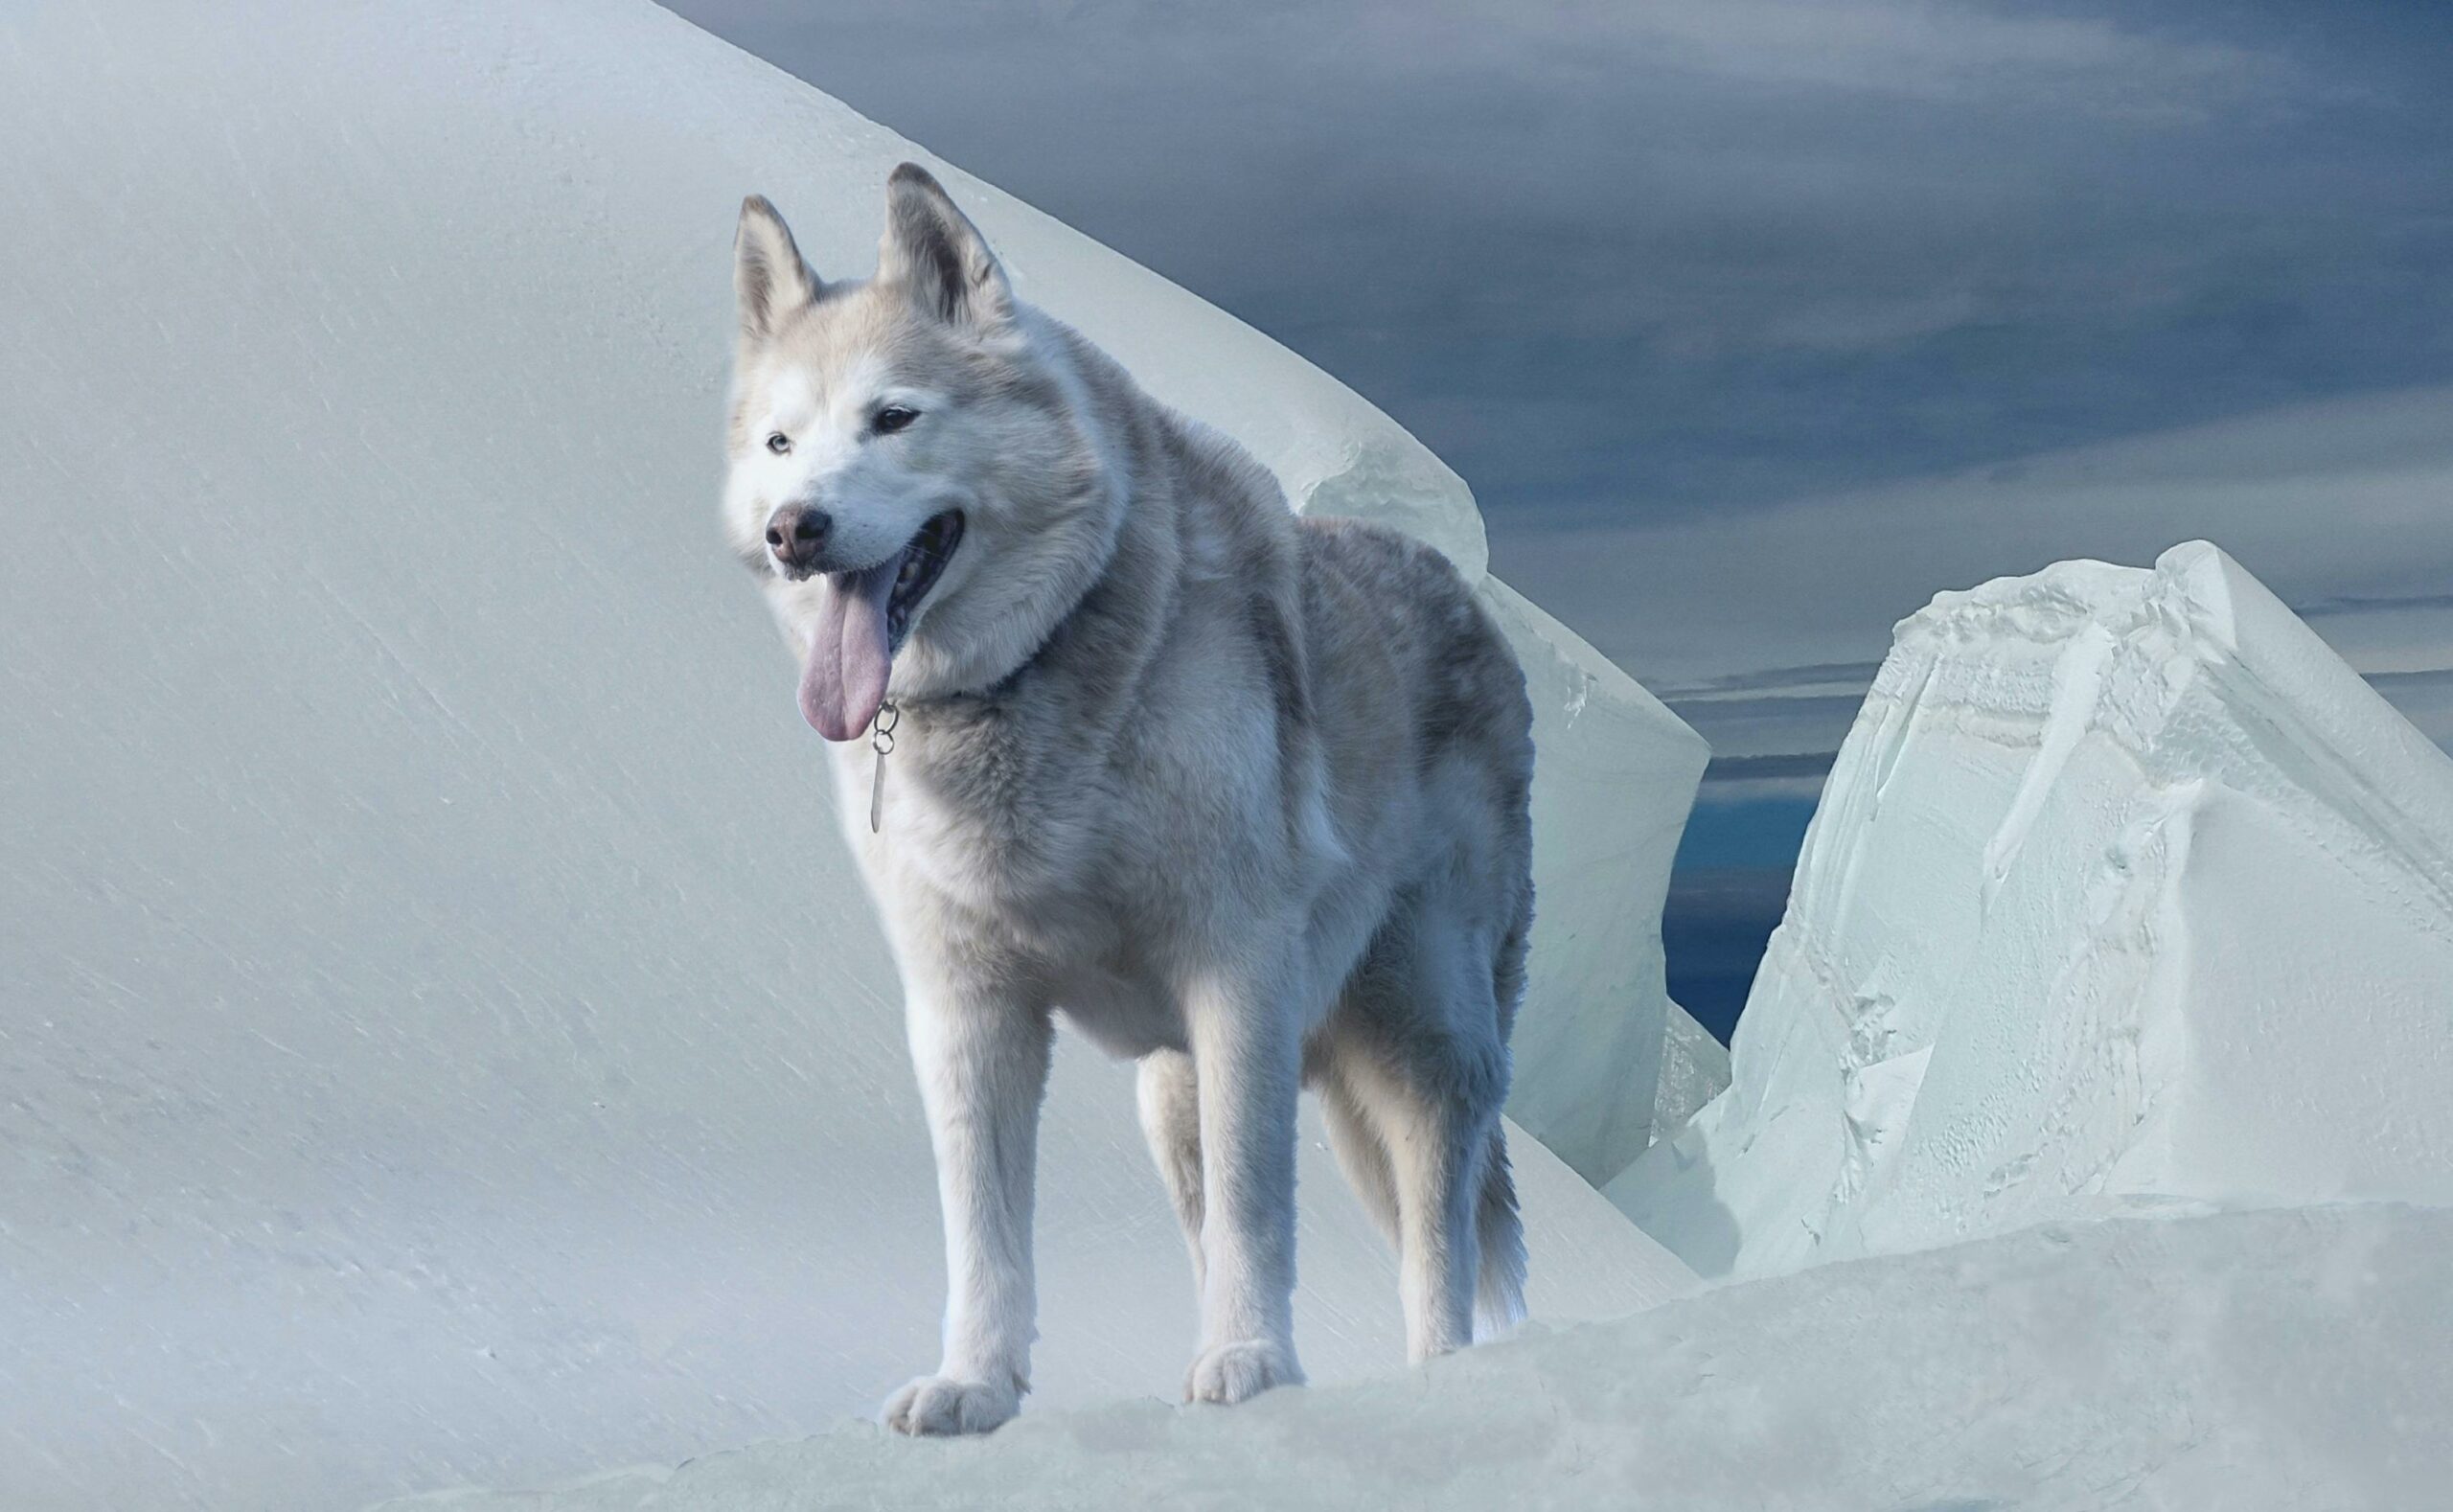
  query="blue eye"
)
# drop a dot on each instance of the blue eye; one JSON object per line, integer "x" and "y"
{"x": 893, "y": 418}
{"x": 779, "y": 444}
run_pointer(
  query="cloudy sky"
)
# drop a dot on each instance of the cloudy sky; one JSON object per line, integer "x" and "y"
{"x": 1754, "y": 322}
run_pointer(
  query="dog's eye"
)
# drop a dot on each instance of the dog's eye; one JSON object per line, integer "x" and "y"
{"x": 779, "y": 444}
{"x": 893, "y": 418}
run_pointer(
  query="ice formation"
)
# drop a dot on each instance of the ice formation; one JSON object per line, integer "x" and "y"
{"x": 440, "y": 1037}
{"x": 1694, "y": 1069}
{"x": 1615, "y": 775}
{"x": 2124, "y": 888}
{"x": 2197, "y": 1363}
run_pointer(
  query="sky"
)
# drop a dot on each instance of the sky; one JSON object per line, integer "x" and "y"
{"x": 1752, "y": 324}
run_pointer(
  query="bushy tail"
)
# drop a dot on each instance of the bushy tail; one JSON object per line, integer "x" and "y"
{"x": 1499, "y": 1296}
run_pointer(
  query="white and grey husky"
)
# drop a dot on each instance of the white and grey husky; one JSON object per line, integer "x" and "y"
{"x": 1243, "y": 795}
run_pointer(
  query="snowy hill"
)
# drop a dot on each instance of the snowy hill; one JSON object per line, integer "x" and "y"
{"x": 2129, "y": 1364}
{"x": 428, "y": 1049}
{"x": 2124, "y": 883}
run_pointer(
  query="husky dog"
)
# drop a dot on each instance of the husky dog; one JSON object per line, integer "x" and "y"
{"x": 1242, "y": 795}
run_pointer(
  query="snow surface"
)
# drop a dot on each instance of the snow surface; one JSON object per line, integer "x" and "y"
{"x": 441, "y": 1039}
{"x": 2281, "y": 1359}
{"x": 2124, "y": 883}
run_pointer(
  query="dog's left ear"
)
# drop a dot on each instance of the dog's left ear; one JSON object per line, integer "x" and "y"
{"x": 769, "y": 281}
{"x": 933, "y": 250}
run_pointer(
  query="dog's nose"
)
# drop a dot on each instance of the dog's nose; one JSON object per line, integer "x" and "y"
{"x": 797, "y": 534}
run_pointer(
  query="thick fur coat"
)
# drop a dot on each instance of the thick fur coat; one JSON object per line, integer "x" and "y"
{"x": 1238, "y": 795}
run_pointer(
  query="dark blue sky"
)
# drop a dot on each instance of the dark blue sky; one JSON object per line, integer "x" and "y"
{"x": 1754, "y": 322}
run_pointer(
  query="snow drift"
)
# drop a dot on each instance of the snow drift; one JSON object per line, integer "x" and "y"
{"x": 2122, "y": 884}
{"x": 421, "y": 1057}
{"x": 2202, "y": 1363}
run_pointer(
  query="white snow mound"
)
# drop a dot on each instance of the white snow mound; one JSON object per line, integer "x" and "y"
{"x": 441, "y": 1038}
{"x": 2124, "y": 885}
{"x": 2246, "y": 1360}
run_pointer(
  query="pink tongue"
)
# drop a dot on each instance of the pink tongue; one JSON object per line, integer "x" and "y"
{"x": 848, "y": 657}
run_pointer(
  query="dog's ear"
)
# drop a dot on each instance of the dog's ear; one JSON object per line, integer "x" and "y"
{"x": 933, "y": 249}
{"x": 769, "y": 281}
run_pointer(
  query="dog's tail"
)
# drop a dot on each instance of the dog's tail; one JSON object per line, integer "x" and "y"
{"x": 1499, "y": 1296}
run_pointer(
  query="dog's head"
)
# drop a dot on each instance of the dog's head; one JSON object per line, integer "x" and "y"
{"x": 914, "y": 480}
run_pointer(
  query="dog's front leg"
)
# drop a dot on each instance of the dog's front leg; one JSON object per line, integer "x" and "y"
{"x": 1246, "y": 1062}
{"x": 982, "y": 1059}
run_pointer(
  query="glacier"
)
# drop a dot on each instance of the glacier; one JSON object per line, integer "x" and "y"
{"x": 2125, "y": 893}
{"x": 430, "y": 1052}
{"x": 2066, "y": 1367}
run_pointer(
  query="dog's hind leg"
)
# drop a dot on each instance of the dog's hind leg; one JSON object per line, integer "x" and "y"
{"x": 1437, "y": 1146}
{"x": 1422, "y": 1061}
{"x": 1439, "y": 1180}
{"x": 1498, "y": 1303}
{"x": 1359, "y": 1154}
{"x": 1497, "y": 1283}
{"x": 1169, "y": 1100}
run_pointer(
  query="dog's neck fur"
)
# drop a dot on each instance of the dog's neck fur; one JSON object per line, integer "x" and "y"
{"x": 1024, "y": 758}
{"x": 1102, "y": 643}
{"x": 1109, "y": 631}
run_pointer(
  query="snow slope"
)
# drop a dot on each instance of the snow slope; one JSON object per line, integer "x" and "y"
{"x": 432, "y": 1046}
{"x": 2291, "y": 1360}
{"x": 2124, "y": 883}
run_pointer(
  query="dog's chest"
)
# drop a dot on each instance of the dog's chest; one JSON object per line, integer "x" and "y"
{"x": 1103, "y": 861}
{"x": 1022, "y": 848}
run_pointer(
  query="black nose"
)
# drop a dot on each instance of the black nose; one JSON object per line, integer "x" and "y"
{"x": 797, "y": 534}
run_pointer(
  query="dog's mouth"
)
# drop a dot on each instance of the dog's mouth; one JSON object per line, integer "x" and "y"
{"x": 922, "y": 562}
{"x": 862, "y": 620}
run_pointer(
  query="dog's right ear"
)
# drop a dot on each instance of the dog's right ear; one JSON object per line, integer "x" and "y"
{"x": 769, "y": 281}
{"x": 933, "y": 252}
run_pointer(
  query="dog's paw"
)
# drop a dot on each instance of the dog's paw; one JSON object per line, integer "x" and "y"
{"x": 1230, "y": 1373}
{"x": 941, "y": 1405}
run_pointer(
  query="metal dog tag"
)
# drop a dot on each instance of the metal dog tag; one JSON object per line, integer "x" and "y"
{"x": 882, "y": 742}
